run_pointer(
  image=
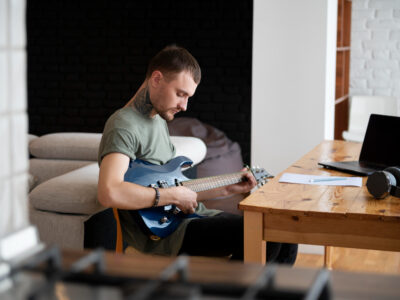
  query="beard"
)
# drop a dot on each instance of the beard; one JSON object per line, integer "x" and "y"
{"x": 167, "y": 115}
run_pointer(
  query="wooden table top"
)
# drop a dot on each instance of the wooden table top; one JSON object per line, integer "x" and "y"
{"x": 320, "y": 200}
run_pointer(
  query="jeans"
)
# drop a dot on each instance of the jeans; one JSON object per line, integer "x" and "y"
{"x": 222, "y": 235}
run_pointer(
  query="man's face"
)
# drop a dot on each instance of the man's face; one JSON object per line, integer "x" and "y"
{"x": 171, "y": 94}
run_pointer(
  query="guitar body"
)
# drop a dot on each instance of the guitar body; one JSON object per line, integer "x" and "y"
{"x": 163, "y": 220}
{"x": 163, "y": 176}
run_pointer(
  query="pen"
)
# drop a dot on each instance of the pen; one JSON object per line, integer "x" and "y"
{"x": 328, "y": 179}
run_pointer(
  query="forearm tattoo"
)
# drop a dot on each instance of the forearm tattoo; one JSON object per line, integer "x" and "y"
{"x": 142, "y": 102}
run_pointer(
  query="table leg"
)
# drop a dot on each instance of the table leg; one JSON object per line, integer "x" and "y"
{"x": 328, "y": 257}
{"x": 254, "y": 246}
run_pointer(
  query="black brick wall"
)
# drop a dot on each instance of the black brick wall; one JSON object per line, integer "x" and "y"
{"x": 86, "y": 59}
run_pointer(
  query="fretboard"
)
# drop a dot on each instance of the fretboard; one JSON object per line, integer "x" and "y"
{"x": 209, "y": 183}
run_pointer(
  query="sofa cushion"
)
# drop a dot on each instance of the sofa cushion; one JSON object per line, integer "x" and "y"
{"x": 31, "y": 137}
{"x": 191, "y": 147}
{"x": 44, "y": 169}
{"x": 32, "y": 181}
{"x": 66, "y": 145}
{"x": 74, "y": 192}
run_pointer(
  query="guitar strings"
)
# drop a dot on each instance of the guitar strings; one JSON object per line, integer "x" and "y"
{"x": 202, "y": 184}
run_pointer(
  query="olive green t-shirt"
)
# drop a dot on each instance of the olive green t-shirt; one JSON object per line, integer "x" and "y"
{"x": 129, "y": 132}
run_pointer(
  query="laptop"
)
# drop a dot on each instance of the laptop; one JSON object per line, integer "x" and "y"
{"x": 379, "y": 149}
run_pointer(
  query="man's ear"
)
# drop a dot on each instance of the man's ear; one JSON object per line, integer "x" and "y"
{"x": 155, "y": 78}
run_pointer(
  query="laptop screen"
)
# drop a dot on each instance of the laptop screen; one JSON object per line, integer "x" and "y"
{"x": 381, "y": 140}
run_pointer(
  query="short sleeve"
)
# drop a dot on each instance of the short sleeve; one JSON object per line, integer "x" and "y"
{"x": 118, "y": 140}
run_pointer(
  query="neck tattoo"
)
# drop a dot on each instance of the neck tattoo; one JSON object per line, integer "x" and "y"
{"x": 142, "y": 102}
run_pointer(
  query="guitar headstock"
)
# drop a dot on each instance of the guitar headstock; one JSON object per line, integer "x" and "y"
{"x": 260, "y": 174}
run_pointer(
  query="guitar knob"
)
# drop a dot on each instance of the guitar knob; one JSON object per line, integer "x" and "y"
{"x": 163, "y": 220}
{"x": 176, "y": 211}
{"x": 178, "y": 183}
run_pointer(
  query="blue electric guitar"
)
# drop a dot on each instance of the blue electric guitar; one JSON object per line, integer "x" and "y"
{"x": 163, "y": 220}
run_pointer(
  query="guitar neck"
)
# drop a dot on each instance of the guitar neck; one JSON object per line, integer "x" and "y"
{"x": 209, "y": 183}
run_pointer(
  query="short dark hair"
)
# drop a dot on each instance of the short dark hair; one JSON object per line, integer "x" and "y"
{"x": 174, "y": 59}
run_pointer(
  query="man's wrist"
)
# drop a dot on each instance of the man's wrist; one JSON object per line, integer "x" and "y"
{"x": 157, "y": 197}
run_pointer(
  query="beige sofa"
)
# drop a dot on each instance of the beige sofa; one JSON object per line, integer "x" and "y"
{"x": 64, "y": 172}
{"x": 63, "y": 188}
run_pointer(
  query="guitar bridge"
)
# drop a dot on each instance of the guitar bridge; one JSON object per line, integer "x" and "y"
{"x": 176, "y": 210}
{"x": 162, "y": 184}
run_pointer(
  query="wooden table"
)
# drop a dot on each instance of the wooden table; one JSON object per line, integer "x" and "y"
{"x": 317, "y": 214}
{"x": 344, "y": 285}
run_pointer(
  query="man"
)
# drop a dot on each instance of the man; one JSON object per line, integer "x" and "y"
{"x": 139, "y": 131}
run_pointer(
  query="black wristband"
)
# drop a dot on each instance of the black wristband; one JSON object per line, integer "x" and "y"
{"x": 157, "y": 199}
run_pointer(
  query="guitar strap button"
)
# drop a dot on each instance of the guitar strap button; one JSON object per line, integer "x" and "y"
{"x": 155, "y": 238}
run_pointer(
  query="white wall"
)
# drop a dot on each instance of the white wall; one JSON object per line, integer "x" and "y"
{"x": 293, "y": 79}
{"x": 375, "y": 48}
{"x": 13, "y": 117}
{"x": 294, "y": 57}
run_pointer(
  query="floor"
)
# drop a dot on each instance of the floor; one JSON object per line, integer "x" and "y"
{"x": 357, "y": 260}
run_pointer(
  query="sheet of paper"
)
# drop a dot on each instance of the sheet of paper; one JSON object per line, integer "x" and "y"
{"x": 320, "y": 180}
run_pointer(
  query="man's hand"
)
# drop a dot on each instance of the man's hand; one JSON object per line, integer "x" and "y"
{"x": 184, "y": 198}
{"x": 242, "y": 187}
{"x": 238, "y": 188}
